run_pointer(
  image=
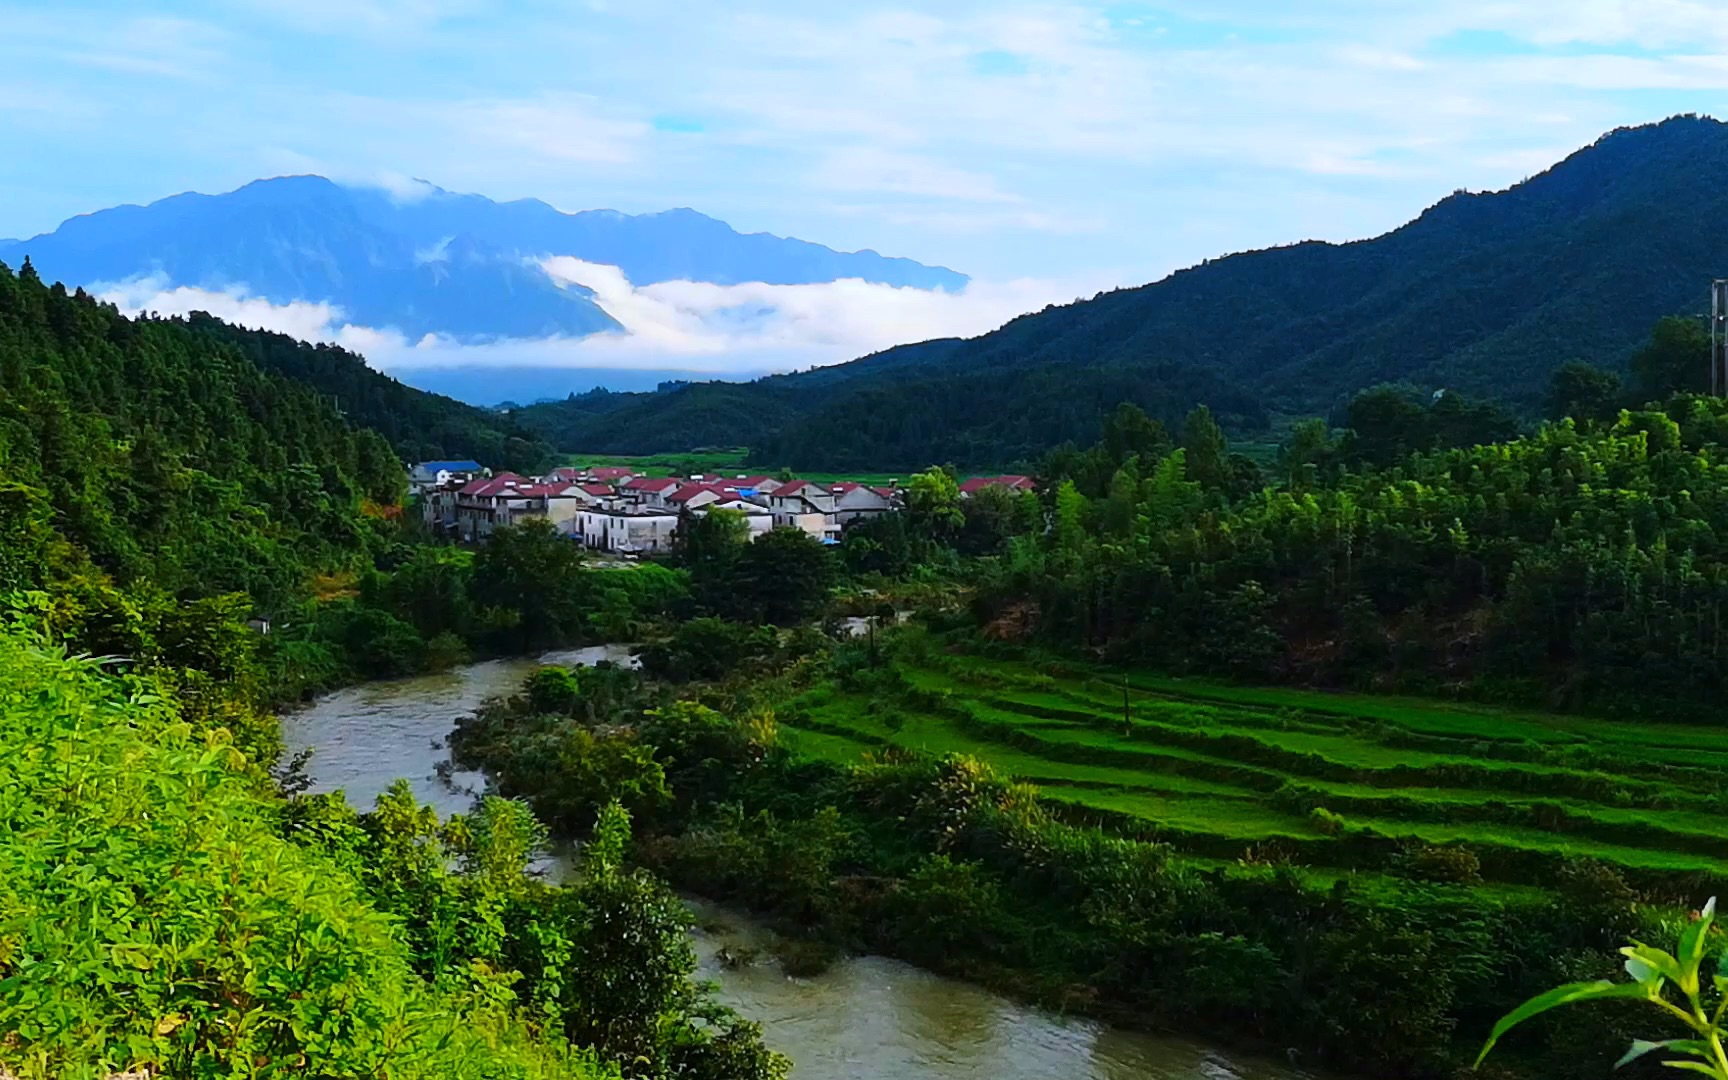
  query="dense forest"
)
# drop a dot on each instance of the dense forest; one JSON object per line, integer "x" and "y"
{"x": 1487, "y": 294}
{"x": 168, "y": 460}
{"x": 421, "y": 426}
{"x": 974, "y": 421}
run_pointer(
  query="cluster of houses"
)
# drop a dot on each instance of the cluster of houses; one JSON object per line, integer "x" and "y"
{"x": 618, "y": 510}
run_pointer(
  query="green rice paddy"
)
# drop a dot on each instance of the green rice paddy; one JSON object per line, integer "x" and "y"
{"x": 1225, "y": 772}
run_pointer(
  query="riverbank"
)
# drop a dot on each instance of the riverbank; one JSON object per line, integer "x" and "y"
{"x": 865, "y": 1012}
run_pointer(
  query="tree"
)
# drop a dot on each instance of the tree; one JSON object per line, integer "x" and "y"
{"x": 1306, "y": 454}
{"x": 1676, "y": 358}
{"x": 1207, "y": 449}
{"x": 535, "y": 574}
{"x": 878, "y": 544}
{"x": 990, "y": 520}
{"x": 933, "y": 505}
{"x": 709, "y": 546}
{"x": 1130, "y": 433}
{"x": 1385, "y": 424}
{"x": 1584, "y": 392}
{"x": 784, "y": 576}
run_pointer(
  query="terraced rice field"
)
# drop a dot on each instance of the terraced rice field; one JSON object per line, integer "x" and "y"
{"x": 1331, "y": 782}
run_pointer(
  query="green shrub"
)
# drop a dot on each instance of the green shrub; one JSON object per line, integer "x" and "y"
{"x": 189, "y": 937}
{"x": 1442, "y": 865}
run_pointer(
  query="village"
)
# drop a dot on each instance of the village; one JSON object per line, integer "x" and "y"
{"x": 620, "y": 511}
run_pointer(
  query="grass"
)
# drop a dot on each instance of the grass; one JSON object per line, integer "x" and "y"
{"x": 1217, "y": 769}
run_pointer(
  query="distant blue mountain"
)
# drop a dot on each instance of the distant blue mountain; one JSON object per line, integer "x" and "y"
{"x": 488, "y": 386}
{"x": 460, "y": 265}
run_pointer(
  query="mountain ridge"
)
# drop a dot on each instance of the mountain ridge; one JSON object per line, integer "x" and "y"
{"x": 1486, "y": 293}
{"x": 456, "y": 265}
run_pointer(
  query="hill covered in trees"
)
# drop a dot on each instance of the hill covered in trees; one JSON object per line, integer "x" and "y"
{"x": 158, "y": 455}
{"x": 1486, "y": 293}
{"x": 420, "y": 425}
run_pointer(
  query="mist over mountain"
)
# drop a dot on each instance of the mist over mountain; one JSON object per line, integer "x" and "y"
{"x": 428, "y": 261}
{"x": 1486, "y": 293}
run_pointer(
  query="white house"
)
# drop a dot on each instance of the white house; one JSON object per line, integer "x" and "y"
{"x": 650, "y": 492}
{"x": 800, "y": 504}
{"x": 854, "y": 501}
{"x": 435, "y": 474}
{"x": 626, "y": 530}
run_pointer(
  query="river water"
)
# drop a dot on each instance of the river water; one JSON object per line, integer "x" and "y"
{"x": 865, "y": 1018}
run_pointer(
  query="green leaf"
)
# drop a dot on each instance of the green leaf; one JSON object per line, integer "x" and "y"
{"x": 1648, "y": 964}
{"x": 1693, "y": 1066}
{"x": 1691, "y": 951}
{"x": 1599, "y": 990}
{"x": 1640, "y": 1047}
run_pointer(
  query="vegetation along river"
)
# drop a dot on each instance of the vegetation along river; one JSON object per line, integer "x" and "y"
{"x": 865, "y": 1018}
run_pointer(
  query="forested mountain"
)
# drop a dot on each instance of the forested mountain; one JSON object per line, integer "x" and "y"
{"x": 160, "y": 454}
{"x": 421, "y": 426}
{"x": 1486, "y": 293}
{"x": 458, "y": 265}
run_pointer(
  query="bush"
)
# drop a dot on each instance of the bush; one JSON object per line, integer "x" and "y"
{"x": 1442, "y": 865}
{"x": 193, "y": 940}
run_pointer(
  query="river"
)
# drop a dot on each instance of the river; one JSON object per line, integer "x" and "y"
{"x": 865, "y": 1018}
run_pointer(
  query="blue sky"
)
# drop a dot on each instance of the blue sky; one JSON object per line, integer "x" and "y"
{"x": 1086, "y": 144}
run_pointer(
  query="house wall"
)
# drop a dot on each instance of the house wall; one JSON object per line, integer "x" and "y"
{"x": 624, "y": 533}
{"x": 821, "y": 526}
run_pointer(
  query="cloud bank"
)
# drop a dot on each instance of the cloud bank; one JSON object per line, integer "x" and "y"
{"x": 683, "y": 325}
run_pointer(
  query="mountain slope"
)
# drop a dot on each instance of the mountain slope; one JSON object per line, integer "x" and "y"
{"x": 458, "y": 265}
{"x": 421, "y": 426}
{"x": 1485, "y": 293}
{"x": 168, "y": 459}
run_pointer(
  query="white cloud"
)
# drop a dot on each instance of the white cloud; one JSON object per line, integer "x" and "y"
{"x": 154, "y": 293}
{"x": 693, "y": 326}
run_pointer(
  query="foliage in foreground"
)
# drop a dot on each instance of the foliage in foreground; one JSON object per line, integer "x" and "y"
{"x": 158, "y": 911}
{"x": 151, "y": 915}
{"x": 1653, "y": 970}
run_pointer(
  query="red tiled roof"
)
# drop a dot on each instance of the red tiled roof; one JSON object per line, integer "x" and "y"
{"x": 791, "y": 487}
{"x": 1013, "y": 483}
{"x": 502, "y": 482}
{"x": 690, "y": 491}
{"x": 643, "y": 483}
{"x": 566, "y": 474}
{"x": 611, "y": 472}
{"x": 550, "y": 491}
{"x": 599, "y": 490}
{"x": 749, "y": 481}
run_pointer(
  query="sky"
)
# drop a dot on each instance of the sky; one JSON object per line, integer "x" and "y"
{"x": 1047, "y": 149}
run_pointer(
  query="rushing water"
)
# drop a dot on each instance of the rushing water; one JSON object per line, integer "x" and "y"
{"x": 865, "y": 1018}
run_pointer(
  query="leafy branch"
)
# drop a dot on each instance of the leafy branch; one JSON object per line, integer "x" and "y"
{"x": 1653, "y": 971}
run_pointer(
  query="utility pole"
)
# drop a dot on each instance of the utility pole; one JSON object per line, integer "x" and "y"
{"x": 1127, "y": 715}
{"x": 1719, "y": 337}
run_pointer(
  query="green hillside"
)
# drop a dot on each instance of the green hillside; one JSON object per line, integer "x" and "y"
{"x": 419, "y": 425}
{"x": 167, "y": 459}
{"x": 1485, "y": 293}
